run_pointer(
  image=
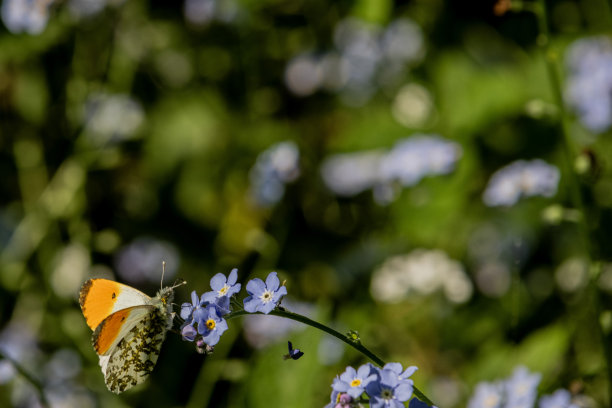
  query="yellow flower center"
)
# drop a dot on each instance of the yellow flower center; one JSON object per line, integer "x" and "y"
{"x": 210, "y": 323}
{"x": 223, "y": 290}
{"x": 356, "y": 382}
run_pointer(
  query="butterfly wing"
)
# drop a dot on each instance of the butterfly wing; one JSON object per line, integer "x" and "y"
{"x": 128, "y": 342}
{"x": 99, "y": 298}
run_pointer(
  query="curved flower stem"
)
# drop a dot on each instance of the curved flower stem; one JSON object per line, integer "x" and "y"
{"x": 355, "y": 344}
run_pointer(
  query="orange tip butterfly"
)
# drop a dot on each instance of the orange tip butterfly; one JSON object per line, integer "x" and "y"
{"x": 129, "y": 329}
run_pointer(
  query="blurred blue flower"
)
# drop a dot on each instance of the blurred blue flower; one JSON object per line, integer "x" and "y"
{"x": 559, "y": 399}
{"x": 222, "y": 286}
{"x": 365, "y": 57}
{"x": 389, "y": 390}
{"x": 274, "y": 167}
{"x": 294, "y": 354}
{"x": 589, "y": 81}
{"x": 521, "y": 388}
{"x": 354, "y": 382}
{"x": 141, "y": 260}
{"x": 263, "y": 297}
{"x": 406, "y": 164}
{"x": 210, "y": 325}
{"x": 521, "y": 179}
{"x": 203, "y": 12}
{"x": 28, "y": 16}
{"x": 487, "y": 395}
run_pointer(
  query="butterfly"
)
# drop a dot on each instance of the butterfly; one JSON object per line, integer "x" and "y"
{"x": 294, "y": 354}
{"x": 129, "y": 328}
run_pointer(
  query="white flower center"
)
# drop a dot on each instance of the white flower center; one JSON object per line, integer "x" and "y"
{"x": 266, "y": 296}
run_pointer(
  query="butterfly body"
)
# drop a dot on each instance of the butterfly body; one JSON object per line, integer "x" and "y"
{"x": 129, "y": 329}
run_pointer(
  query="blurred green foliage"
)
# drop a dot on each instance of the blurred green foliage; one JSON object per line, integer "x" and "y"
{"x": 129, "y": 135}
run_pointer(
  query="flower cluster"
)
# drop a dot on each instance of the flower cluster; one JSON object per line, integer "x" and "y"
{"x": 405, "y": 165}
{"x": 204, "y": 322}
{"x": 365, "y": 57}
{"x": 521, "y": 179}
{"x": 519, "y": 390}
{"x": 275, "y": 167}
{"x": 589, "y": 82}
{"x": 389, "y": 386}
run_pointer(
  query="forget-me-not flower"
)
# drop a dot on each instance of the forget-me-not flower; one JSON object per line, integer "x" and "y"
{"x": 487, "y": 395}
{"x": 187, "y": 309}
{"x": 389, "y": 390}
{"x": 222, "y": 286}
{"x": 521, "y": 179}
{"x": 263, "y": 297}
{"x": 210, "y": 325}
{"x": 354, "y": 382}
{"x": 521, "y": 388}
{"x": 589, "y": 81}
{"x": 402, "y": 375}
{"x": 559, "y": 399}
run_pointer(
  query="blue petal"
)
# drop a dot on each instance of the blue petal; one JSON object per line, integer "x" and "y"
{"x": 209, "y": 297}
{"x": 188, "y": 332}
{"x": 234, "y": 289}
{"x": 403, "y": 392}
{"x": 272, "y": 282}
{"x": 389, "y": 378}
{"x": 218, "y": 282}
{"x": 348, "y": 375}
{"x": 395, "y": 367}
{"x": 186, "y": 310}
{"x": 233, "y": 277}
{"x": 409, "y": 371}
{"x": 267, "y": 307}
{"x": 255, "y": 287}
{"x": 355, "y": 392}
{"x": 363, "y": 371}
{"x": 251, "y": 303}
{"x": 194, "y": 299}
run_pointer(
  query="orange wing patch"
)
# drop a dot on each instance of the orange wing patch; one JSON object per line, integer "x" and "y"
{"x": 108, "y": 330}
{"x": 97, "y": 298}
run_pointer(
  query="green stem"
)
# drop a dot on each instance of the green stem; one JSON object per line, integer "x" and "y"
{"x": 355, "y": 344}
{"x": 572, "y": 180}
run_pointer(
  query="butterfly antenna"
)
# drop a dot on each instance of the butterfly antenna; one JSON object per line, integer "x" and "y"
{"x": 161, "y": 284}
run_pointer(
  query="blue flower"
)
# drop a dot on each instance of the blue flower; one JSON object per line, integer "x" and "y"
{"x": 416, "y": 403}
{"x": 222, "y": 286}
{"x": 293, "y": 353}
{"x": 521, "y": 388}
{"x": 487, "y": 395}
{"x": 401, "y": 376}
{"x": 354, "y": 382}
{"x": 559, "y": 399}
{"x": 521, "y": 179}
{"x": 389, "y": 390}
{"x": 187, "y": 309}
{"x": 210, "y": 325}
{"x": 263, "y": 297}
{"x": 189, "y": 332}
